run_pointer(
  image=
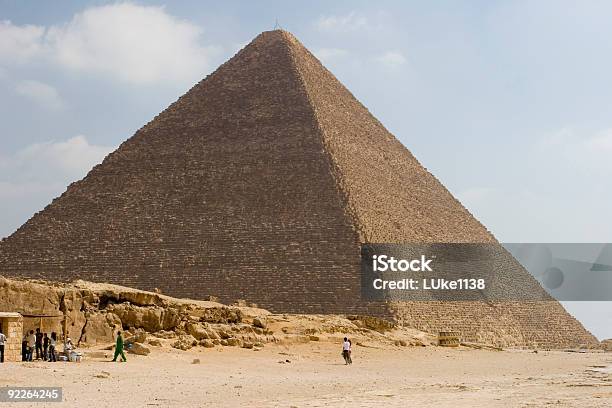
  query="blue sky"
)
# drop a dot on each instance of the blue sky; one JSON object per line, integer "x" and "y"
{"x": 507, "y": 103}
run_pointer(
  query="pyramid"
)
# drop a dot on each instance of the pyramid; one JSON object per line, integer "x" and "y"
{"x": 260, "y": 183}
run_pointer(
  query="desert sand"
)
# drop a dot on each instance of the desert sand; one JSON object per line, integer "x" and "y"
{"x": 314, "y": 375}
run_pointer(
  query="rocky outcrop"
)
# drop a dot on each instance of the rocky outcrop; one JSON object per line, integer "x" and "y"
{"x": 28, "y": 296}
{"x": 185, "y": 342}
{"x": 95, "y": 312}
{"x": 99, "y": 328}
{"x": 139, "y": 349}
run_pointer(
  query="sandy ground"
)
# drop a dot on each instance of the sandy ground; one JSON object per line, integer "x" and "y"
{"x": 316, "y": 376}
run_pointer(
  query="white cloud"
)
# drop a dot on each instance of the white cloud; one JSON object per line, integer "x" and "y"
{"x": 19, "y": 43}
{"x": 139, "y": 44}
{"x": 134, "y": 43}
{"x": 584, "y": 150}
{"x": 33, "y": 176}
{"x": 392, "y": 59}
{"x": 65, "y": 160}
{"x": 601, "y": 142}
{"x": 74, "y": 156}
{"x": 349, "y": 22}
{"x": 328, "y": 54}
{"x": 41, "y": 93}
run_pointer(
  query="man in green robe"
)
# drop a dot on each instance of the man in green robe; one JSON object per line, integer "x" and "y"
{"x": 119, "y": 348}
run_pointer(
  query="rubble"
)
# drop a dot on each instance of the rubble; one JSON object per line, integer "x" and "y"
{"x": 139, "y": 349}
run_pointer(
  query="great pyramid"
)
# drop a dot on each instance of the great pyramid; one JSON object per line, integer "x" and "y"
{"x": 260, "y": 183}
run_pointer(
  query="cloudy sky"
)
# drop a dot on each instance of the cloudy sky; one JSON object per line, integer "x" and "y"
{"x": 507, "y": 102}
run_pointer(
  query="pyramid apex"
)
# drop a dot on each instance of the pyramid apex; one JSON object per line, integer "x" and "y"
{"x": 275, "y": 35}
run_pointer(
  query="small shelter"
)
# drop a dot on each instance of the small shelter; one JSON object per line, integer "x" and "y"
{"x": 12, "y": 327}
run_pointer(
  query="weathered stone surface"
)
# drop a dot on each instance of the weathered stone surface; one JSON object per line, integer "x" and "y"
{"x": 212, "y": 334}
{"x": 95, "y": 312}
{"x": 19, "y": 296}
{"x": 164, "y": 334}
{"x": 100, "y": 328}
{"x": 259, "y": 322}
{"x": 138, "y": 336}
{"x": 221, "y": 315}
{"x": 197, "y": 331}
{"x": 185, "y": 342}
{"x": 232, "y": 341}
{"x": 223, "y": 334}
{"x": 155, "y": 342}
{"x": 207, "y": 343}
{"x": 12, "y": 328}
{"x": 170, "y": 318}
{"x": 147, "y": 318}
{"x": 372, "y": 323}
{"x": 139, "y": 349}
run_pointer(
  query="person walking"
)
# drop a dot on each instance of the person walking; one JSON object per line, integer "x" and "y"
{"x": 2, "y": 342}
{"x": 346, "y": 351}
{"x": 31, "y": 344}
{"x": 119, "y": 348}
{"x": 52, "y": 344}
{"x": 39, "y": 344}
{"x": 45, "y": 355}
{"x": 350, "y": 353}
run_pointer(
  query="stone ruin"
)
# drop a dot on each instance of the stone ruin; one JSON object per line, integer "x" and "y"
{"x": 260, "y": 183}
{"x": 92, "y": 313}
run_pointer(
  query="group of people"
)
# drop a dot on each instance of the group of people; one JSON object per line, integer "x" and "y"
{"x": 347, "y": 346}
{"x": 41, "y": 344}
{"x": 44, "y": 346}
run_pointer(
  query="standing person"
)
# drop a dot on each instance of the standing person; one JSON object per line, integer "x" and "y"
{"x": 24, "y": 348}
{"x": 45, "y": 347}
{"x": 350, "y": 353}
{"x": 346, "y": 351}
{"x": 31, "y": 344}
{"x": 119, "y": 348}
{"x": 52, "y": 343}
{"x": 2, "y": 341}
{"x": 39, "y": 344}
